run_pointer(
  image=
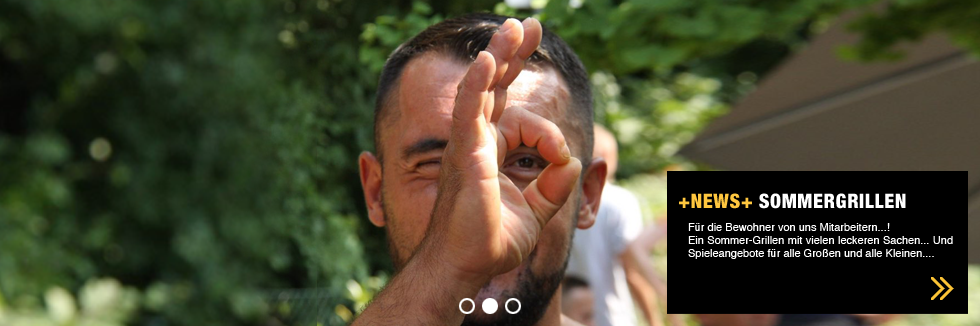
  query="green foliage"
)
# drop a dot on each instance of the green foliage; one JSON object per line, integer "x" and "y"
{"x": 186, "y": 147}
{"x": 658, "y": 35}
{"x": 202, "y": 153}
{"x": 664, "y": 69}
{"x": 655, "y": 117}
{"x": 386, "y": 32}
{"x": 103, "y": 302}
{"x": 911, "y": 20}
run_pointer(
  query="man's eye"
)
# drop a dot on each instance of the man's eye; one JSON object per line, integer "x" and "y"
{"x": 428, "y": 169}
{"x": 523, "y": 168}
{"x": 525, "y": 162}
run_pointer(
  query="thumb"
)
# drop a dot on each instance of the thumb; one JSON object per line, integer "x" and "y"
{"x": 546, "y": 194}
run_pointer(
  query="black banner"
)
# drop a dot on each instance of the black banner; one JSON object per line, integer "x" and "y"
{"x": 817, "y": 243}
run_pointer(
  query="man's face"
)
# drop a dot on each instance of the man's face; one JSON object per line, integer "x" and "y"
{"x": 413, "y": 136}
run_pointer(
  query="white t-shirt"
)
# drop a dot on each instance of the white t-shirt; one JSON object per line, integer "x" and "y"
{"x": 595, "y": 255}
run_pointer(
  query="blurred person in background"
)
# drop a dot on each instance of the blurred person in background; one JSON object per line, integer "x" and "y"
{"x": 577, "y": 301}
{"x": 612, "y": 256}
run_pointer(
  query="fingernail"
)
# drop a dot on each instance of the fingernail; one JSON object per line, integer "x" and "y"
{"x": 565, "y": 153}
{"x": 526, "y": 23}
{"x": 507, "y": 25}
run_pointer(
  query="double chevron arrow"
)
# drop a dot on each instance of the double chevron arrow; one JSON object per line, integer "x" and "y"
{"x": 941, "y": 289}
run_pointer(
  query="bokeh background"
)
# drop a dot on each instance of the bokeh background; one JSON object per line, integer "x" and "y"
{"x": 193, "y": 162}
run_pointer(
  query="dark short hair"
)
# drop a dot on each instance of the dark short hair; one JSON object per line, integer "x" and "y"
{"x": 571, "y": 282}
{"x": 462, "y": 38}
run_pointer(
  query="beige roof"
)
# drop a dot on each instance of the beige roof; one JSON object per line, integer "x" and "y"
{"x": 818, "y": 112}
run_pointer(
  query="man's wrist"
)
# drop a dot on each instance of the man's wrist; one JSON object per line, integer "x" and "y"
{"x": 427, "y": 287}
{"x": 449, "y": 284}
{"x": 437, "y": 259}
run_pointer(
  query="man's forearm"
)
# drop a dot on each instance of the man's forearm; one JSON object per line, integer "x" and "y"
{"x": 644, "y": 265}
{"x": 422, "y": 293}
{"x": 642, "y": 290}
{"x": 645, "y": 298}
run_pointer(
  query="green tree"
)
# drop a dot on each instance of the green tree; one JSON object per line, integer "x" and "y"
{"x": 201, "y": 151}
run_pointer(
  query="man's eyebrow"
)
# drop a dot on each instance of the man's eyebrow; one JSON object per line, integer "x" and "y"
{"x": 423, "y": 146}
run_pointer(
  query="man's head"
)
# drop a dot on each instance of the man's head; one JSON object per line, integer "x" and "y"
{"x": 413, "y": 117}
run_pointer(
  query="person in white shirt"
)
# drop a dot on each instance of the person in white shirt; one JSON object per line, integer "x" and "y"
{"x": 608, "y": 255}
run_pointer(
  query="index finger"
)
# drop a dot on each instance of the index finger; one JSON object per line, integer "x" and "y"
{"x": 532, "y": 39}
{"x": 504, "y": 44}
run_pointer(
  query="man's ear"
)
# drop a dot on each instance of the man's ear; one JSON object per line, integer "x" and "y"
{"x": 371, "y": 183}
{"x": 592, "y": 183}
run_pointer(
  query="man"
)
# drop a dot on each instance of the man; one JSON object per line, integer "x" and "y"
{"x": 483, "y": 169}
{"x": 611, "y": 256}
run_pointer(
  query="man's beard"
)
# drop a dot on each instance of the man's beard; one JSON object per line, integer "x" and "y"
{"x": 534, "y": 291}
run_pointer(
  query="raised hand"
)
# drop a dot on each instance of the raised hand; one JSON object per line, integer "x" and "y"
{"x": 484, "y": 224}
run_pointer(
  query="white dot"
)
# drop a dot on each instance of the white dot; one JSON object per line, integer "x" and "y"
{"x": 489, "y": 306}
